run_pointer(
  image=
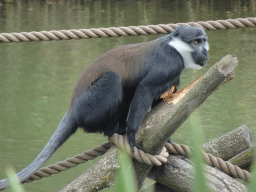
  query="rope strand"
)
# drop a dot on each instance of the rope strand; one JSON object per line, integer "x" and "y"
{"x": 122, "y": 31}
{"x": 156, "y": 160}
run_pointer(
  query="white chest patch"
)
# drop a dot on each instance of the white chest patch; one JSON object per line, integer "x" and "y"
{"x": 185, "y": 50}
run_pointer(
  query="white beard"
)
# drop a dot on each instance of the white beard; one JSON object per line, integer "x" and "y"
{"x": 185, "y": 50}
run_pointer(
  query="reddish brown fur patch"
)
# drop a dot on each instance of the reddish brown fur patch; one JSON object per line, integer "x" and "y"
{"x": 127, "y": 61}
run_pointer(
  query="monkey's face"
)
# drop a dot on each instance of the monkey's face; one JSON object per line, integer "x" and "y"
{"x": 200, "y": 54}
{"x": 192, "y": 44}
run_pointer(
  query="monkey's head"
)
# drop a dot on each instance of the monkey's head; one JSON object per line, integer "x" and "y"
{"x": 192, "y": 44}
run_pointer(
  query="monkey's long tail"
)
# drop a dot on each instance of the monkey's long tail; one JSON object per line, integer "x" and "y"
{"x": 66, "y": 128}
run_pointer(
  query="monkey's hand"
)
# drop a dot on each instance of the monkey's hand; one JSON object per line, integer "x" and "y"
{"x": 131, "y": 139}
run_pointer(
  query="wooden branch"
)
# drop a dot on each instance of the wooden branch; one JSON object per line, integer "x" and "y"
{"x": 178, "y": 173}
{"x": 160, "y": 124}
{"x": 164, "y": 119}
{"x": 239, "y": 139}
{"x": 230, "y": 144}
{"x": 161, "y": 188}
{"x": 101, "y": 175}
{"x": 244, "y": 159}
{"x": 235, "y": 146}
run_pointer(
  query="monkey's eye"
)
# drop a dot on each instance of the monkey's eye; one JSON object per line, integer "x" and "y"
{"x": 196, "y": 42}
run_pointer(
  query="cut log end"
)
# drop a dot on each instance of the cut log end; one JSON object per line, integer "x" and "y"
{"x": 227, "y": 65}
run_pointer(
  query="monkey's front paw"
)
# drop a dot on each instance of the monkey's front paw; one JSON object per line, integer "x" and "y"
{"x": 131, "y": 140}
{"x": 169, "y": 140}
{"x": 132, "y": 145}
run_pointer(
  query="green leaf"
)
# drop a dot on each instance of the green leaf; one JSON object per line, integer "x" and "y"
{"x": 199, "y": 184}
{"x": 15, "y": 184}
{"x": 125, "y": 181}
{"x": 252, "y": 185}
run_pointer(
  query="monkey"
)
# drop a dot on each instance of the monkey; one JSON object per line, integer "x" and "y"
{"x": 115, "y": 92}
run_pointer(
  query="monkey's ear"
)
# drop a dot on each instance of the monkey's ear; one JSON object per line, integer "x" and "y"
{"x": 176, "y": 33}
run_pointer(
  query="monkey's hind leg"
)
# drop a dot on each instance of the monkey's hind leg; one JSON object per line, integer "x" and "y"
{"x": 97, "y": 109}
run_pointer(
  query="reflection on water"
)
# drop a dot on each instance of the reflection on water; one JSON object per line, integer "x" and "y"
{"x": 36, "y": 79}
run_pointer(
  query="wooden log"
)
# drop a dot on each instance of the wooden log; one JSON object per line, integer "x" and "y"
{"x": 101, "y": 175}
{"x": 239, "y": 139}
{"x": 162, "y": 188}
{"x": 230, "y": 144}
{"x": 244, "y": 159}
{"x": 177, "y": 175}
{"x": 160, "y": 124}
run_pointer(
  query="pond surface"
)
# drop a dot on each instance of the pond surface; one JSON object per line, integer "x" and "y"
{"x": 37, "y": 78}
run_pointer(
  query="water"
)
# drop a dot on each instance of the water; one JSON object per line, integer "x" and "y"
{"x": 37, "y": 78}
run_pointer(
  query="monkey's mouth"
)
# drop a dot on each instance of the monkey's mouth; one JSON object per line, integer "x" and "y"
{"x": 202, "y": 62}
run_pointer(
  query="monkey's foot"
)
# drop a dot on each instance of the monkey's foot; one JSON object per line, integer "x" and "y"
{"x": 173, "y": 98}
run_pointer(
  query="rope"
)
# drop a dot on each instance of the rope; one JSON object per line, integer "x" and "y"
{"x": 141, "y": 156}
{"x": 211, "y": 160}
{"x": 116, "y": 139}
{"x": 70, "y": 162}
{"x": 122, "y": 31}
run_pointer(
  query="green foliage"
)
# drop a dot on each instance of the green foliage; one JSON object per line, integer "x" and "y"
{"x": 125, "y": 181}
{"x": 15, "y": 185}
{"x": 148, "y": 186}
{"x": 199, "y": 184}
{"x": 252, "y": 185}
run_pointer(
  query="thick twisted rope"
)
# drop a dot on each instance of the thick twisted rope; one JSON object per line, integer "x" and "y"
{"x": 116, "y": 139}
{"x": 141, "y": 156}
{"x": 70, "y": 162}
{"x": 211, "y": 160}
{"x": 122, "y": 31}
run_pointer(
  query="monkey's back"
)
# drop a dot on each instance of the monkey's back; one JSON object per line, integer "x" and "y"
{"x": 128, "y": 61}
